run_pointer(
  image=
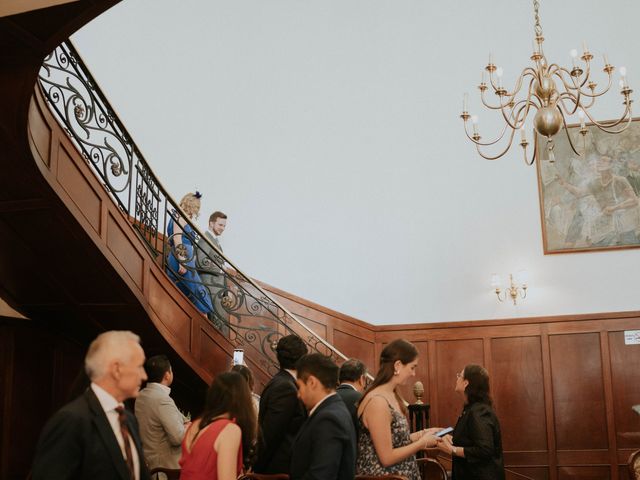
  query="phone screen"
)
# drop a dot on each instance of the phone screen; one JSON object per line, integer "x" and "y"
{"x": 238, "y": 356}
{"x": 444, "y": 431}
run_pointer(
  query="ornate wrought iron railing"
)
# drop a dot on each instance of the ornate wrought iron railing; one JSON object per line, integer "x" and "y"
{"x": 232, "y": 301}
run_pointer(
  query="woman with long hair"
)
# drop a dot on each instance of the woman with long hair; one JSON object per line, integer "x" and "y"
{"x": 476, "y": 444}
{"x": 181, "y": 259}
{"x": 385, "y": 444}
{"x": 221, "y": 442}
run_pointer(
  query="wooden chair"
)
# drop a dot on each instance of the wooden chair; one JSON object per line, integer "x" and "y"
{"x": 264, "y": 476}
{"x": 169, "y": 473}
{"x": 634, "y": 465}
{"x": 431, "y": 469}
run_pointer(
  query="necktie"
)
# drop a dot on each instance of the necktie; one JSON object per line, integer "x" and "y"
{"x": 126, "y": 435}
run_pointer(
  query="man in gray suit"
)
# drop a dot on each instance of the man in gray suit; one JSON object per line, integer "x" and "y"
{"x": 210, "y": 264}
{"x": 162, "y": 426}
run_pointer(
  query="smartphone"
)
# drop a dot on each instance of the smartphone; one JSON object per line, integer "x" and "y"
{"x": 238, "y": 356}
{"x": 443, "y": 432}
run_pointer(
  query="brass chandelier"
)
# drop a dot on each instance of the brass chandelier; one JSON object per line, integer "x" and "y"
{"x": 578, "y": 94}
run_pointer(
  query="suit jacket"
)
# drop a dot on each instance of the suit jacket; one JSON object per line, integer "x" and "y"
{"x": 210, "y": 273}
{"x": 478, "y": 432}
{"x": 161, "y": 426}
{"x": 350, "y": 396}
{"x": 281, "y": 416}
{"x": 78, "y": 443}
{"x": 325, "y": 448}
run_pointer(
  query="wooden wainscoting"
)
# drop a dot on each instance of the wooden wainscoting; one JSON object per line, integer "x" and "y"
{"x": 563, "y": 386}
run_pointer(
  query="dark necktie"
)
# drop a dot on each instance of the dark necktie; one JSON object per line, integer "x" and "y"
{"x": 126, "y": 435}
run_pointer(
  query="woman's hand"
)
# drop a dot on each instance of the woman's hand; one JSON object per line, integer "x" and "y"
{"x": 430, "y": 441}
{"x": 181, "y": 269}
{"x": 445, "y": 444}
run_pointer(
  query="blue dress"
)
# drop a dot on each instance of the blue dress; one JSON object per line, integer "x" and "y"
{"x": 189, "y": 283}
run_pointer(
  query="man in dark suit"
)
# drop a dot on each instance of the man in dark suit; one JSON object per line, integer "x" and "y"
{"x": 93, "y": 437}
{"x": 352, "y": 382}
{"x": 281, "y": 413}
{"x": 325, "y": 448}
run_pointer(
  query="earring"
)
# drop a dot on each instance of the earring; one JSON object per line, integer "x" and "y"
{"x": 396, "y": 372}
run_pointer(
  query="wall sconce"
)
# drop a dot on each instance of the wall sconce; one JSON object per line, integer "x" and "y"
{"x": 517, "y": 287}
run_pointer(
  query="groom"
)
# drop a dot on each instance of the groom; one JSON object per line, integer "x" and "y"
{"x": 210, "y": 264}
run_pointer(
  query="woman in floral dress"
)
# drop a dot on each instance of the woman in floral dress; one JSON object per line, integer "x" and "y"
{"x": 385, "y": 444}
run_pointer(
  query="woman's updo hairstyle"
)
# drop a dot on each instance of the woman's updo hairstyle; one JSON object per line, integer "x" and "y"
{"x": 401, "y": 350}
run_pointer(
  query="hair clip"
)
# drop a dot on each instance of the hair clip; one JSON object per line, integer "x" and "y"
{"x": 197, "y": 194}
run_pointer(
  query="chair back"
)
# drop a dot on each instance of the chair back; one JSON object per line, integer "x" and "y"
{"x": 431, "y": 469}
{"x": 167, "y": 473}
{"x": 634, "y": 465}
{"x": 264, "y": 476}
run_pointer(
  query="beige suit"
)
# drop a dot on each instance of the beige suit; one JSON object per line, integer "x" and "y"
{"x": 161, "y": 426}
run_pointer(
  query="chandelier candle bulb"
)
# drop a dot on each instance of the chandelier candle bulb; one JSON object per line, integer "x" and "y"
{"x": 584, "y": 47}
{"x": 574, "y": 54}
{"x": 523, "y": 135}
{"x": 623, "y": 76}
{"x": 465, "y": 101}
{"x": 581, "y": 117}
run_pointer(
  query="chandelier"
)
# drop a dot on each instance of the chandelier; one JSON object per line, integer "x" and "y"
{"x": 576, "y": 95}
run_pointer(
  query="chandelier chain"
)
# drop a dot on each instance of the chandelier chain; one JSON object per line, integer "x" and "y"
{"x": 538, "y": 27}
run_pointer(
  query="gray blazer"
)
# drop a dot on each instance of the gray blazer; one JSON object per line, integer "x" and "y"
{"x": 162, "y": 426}
{"x": 210, "y": 273}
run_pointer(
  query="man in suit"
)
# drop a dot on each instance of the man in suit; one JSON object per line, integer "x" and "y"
{"x": 162, "y": 426}
{"x": 353, "y": 378}
{"x": 325, "y": 448}
{"x": 94, "y": 437}
{"x": 281, "y": 413}
{"x": 210, "y": 267}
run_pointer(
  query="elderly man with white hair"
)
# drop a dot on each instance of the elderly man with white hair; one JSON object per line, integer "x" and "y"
{"x": 94, "y": 437}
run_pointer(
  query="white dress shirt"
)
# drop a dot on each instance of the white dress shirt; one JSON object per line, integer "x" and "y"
{"x": 109, "y": 405}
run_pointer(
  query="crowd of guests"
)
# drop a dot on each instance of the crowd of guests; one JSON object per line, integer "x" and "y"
{"x": 314, "y": 420}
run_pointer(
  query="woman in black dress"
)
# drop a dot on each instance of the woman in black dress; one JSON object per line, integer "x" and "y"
{"x": 476, "y": 444}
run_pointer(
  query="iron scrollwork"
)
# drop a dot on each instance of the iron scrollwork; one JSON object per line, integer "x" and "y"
{"x": 233, "y": 303}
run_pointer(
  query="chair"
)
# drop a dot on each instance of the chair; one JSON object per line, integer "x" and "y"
{"x": 264, "y": 476}
{"x": 431, "y": 469}
{"x": 634, "y": 465}
{"x": 169, "y": 473}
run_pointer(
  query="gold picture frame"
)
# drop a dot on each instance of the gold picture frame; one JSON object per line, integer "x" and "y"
{"x": 590, "y": 201}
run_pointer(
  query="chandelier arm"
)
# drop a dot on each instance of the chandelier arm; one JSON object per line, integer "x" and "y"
{"x": 533, "y": 157}
{"x": 574, "y": 98}
{"x": 558, "y": 71}
{"x": 486, "y": 104}
{"x": 487, "y": 157}
{"x": 566, "y": 130}
{"x": 526, "y": 104}
{"x": 526, "y": 72}
{"x": 484, "y": 144}
{"x": 607, "y": 127}
{"x": 592, "y": 95}
{"x": 514, "y": 126}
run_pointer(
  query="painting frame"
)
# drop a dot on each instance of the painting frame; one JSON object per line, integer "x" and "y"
{"x": 585, "y": 200}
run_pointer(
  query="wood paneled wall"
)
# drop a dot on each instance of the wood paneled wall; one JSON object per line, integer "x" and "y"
{"x": 563, "y": 387}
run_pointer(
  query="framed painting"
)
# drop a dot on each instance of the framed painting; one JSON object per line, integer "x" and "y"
{"x": 590, "y": 201}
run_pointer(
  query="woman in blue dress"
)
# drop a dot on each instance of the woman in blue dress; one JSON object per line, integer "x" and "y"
{"x": 181, "y": 261}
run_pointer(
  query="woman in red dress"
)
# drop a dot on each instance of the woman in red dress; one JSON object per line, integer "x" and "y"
{"x": 214, "y": 444}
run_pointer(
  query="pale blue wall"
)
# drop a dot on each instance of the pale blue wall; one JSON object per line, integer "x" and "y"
{"x": 328, "y": 130}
